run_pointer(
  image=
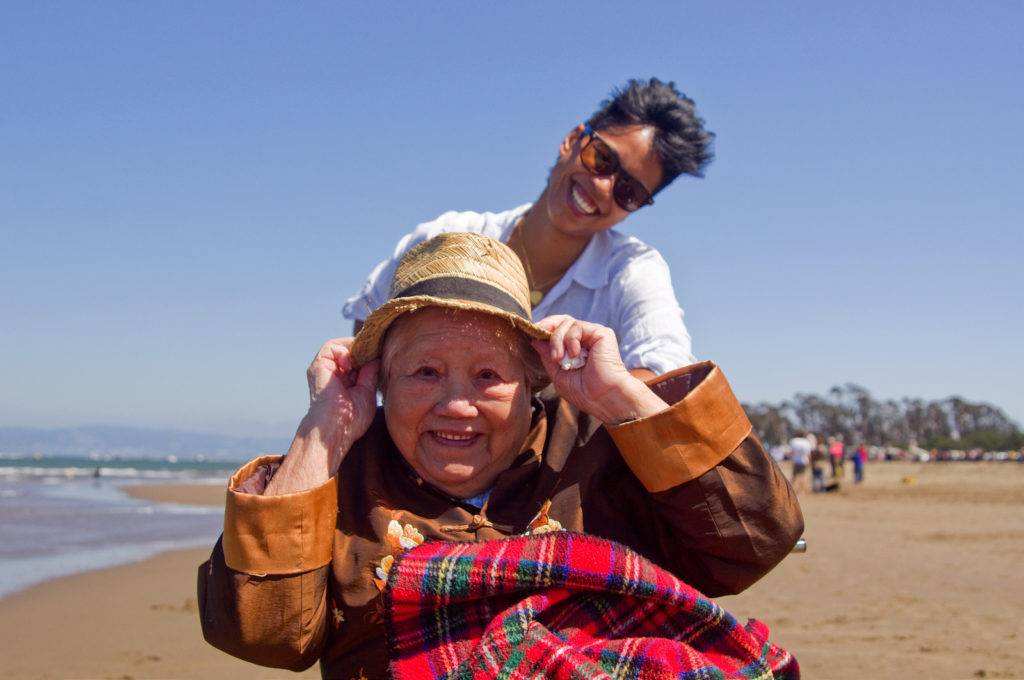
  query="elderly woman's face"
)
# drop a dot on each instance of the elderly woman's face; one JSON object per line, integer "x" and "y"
{"x": 456, "y": 399}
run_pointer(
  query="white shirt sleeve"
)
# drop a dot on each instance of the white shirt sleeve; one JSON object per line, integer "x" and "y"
{"x": 648, "y": 320}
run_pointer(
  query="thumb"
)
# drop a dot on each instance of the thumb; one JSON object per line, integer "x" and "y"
{"x": 342, "y": 359}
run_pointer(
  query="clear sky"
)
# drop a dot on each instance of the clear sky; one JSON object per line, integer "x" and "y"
{"x": 189, "y": 190}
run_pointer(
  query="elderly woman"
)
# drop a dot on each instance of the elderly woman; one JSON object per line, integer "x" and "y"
{"x": 467, "y": 447}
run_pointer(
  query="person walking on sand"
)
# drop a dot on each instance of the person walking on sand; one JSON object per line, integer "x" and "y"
{"x": 640, "y": 140}
{"x": 860, "y": 457}
{"x": 818, "y": 456}
{"x": 800, "y": 451}
{"x": 837, "y": 454}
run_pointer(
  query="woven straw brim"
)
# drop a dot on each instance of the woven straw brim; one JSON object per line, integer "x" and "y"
{"x": 367, "y": 344}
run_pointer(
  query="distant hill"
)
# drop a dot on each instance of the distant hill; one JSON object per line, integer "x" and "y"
{"x": 134, "y": 442}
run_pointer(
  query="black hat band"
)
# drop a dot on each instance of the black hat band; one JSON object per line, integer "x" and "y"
{"x": 460, "y": 288}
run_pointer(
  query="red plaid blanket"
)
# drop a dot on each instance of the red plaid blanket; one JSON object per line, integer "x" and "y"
{"x": 562, "y": 605}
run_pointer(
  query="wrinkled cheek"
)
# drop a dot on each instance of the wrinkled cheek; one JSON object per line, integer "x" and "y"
{"x": 403, "y": 426}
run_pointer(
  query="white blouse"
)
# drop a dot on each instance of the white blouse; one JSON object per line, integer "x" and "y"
{"x": 618, "y": 281}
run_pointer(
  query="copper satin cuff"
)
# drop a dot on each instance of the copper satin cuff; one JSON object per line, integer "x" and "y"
{"x": 287, "y": 534}
{"x": 686, "y": 440}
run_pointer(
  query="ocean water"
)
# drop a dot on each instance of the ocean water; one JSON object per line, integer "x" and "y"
{"x": 59, "y": 516}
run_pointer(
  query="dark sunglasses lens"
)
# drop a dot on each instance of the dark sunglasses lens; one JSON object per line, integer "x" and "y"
{"x": 598, "y": 158}
{"x": 629, "y": 194}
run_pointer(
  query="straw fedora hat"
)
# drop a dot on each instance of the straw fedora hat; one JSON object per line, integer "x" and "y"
{"x": 458, "y": 270}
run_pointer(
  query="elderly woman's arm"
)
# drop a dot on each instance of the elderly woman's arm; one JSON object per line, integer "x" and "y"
{"x": 341, "y": 407}
{"x": 263, "y": 592}
{"x": 712, "y": 506}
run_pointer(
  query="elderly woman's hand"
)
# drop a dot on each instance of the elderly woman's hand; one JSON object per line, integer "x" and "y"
{"x": 342, "y": 402}
{"x": 342, "y": 398}
{"x": 602, "y": 387}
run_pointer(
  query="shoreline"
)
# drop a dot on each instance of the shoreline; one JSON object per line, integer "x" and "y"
{"x": 137, "y": 619}
{"x": 186, "y": 494}
{"x": 119, "y": 522}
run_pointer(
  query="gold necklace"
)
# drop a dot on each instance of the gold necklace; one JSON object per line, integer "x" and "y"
{"x": 536, "y": 292}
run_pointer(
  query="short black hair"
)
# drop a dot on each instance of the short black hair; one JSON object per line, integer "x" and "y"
{"x": 680, "y": 140}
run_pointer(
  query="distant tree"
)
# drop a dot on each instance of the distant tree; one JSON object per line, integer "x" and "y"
{"x": 770, "y": 423}
{"x": 851, "y": 412}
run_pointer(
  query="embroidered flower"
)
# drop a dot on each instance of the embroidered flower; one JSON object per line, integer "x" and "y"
{"x": 550, "y": 525}
{"x": 383, "y": 570}
{"x": 542, "y": 524}
{"x": 402, "y": 538}
{"x": 339, "y": 617}
{"x": 399, "y": 538}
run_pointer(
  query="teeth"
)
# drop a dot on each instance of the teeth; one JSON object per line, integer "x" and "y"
{"x": 454, "y": 437}
{"x": 581, "y": 202}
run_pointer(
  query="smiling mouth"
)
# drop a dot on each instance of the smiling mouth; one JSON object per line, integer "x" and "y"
{"x": 580, "y": 201}
{"x": 459, "y": 439}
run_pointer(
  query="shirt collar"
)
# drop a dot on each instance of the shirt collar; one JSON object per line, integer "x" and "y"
{"x": 593, "y": 267}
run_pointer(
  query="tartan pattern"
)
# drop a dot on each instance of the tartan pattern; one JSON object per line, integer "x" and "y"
{"x": 562, "y": 605}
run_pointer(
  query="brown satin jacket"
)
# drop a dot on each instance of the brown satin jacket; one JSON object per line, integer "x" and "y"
{"x": 297, "y": 578}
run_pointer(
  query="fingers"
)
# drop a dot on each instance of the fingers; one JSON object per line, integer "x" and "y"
{"x": 342, "y": 363}
{"x": 561, "y": 337}
{"x": 335, "y": 351}
{"x": 549, "y": 323}
{"x": 332, "y": 360}
{"x": 570, "y": 336}
{"x": 566, "y": 334}
{"x": 566, "y": 338}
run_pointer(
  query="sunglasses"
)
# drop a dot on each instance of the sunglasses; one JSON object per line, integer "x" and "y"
{"x": 599, "y": 158}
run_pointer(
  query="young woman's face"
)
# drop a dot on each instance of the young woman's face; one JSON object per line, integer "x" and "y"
{"x": 579, "y": 203}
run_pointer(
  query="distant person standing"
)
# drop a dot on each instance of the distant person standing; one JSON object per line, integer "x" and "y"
{"x": 800, "y": 452}
{"x": 607, "y": 168}
{"x": 837, "y": 456}
{"x": 819, "y": 454}
{"x": 860, "y": 457}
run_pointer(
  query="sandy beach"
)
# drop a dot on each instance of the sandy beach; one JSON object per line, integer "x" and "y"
{"x": 133, "y": 621}
{"x": 915, "y": 573}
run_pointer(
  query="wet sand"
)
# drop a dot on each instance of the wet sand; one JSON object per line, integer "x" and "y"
{"x": 192, "y": 494}
{"x": 916, "y": 573}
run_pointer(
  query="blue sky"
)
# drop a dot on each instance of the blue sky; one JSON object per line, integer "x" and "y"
{"x": 190, "y": 190}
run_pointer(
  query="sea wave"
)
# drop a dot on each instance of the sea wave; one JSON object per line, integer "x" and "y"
{"x": 192, "y": 475}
